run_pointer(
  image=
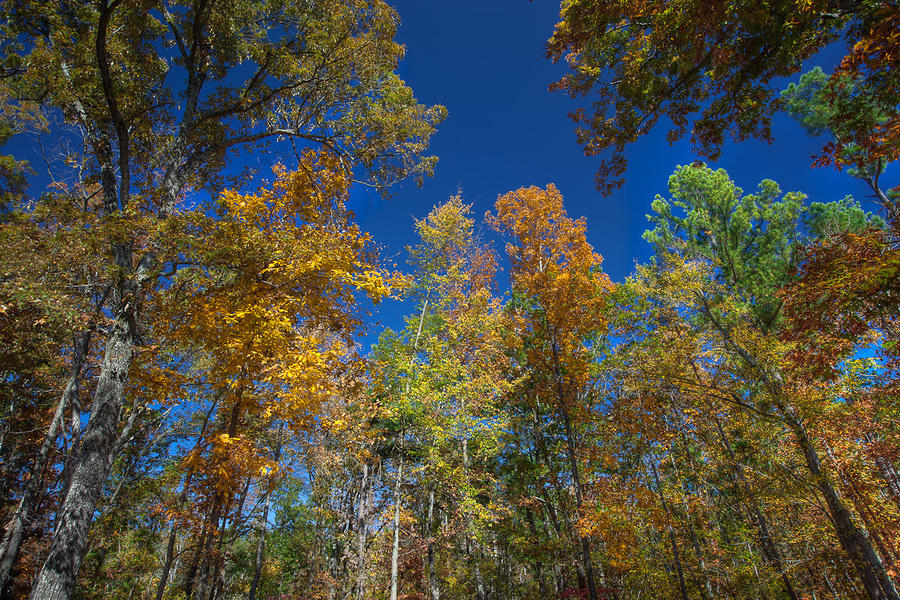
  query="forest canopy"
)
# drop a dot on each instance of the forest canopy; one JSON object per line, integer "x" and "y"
{"x": 188, "y": 406}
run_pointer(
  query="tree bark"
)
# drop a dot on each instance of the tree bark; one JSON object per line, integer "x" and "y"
{"x": 876, "y": 581}
{"x": 362, "y": 527}
{"x": 395, "y": 551}
{"x": 56, "y": 579}
{"x": 434, "y": 589}
{"x": 15, "y": 529}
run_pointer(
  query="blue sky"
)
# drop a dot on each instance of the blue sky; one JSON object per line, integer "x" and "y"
{"x": 485, "y": 61}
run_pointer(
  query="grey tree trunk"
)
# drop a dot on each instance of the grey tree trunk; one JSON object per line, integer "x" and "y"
{"x": 479, "y": 580}
{"x": 56, "y": 579}
{"x": 15, "y": 529}
{"x": 362, "y": 528}
{"x": 260, "y": 545}
{"x": 434, "y": 589}
{"x": 395, "y": 552}
{"x": 876, "y": 581}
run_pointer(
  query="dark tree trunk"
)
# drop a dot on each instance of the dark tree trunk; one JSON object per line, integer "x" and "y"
{"x": 563, "y": 407}
{"x": 576, "y": 479}
{"x": 15, "y": 529}
{"x": 538, "y": 563}
{"x": 876, "y": 581}
{"x": 676, "y": 553}
{"x": 263, "y": 526}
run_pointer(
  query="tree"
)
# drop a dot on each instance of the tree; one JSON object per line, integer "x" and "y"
{"x": 833, "y": 105}
{"x": 265, "y": 316}
{"x": 444, "y": 377}
{"x": 645, "y": 61}
{"x": 51, "y": 309}
{"x": 153, "y": 127}
{"x": 730, "y": 256}
{"x": 560, "y": 292}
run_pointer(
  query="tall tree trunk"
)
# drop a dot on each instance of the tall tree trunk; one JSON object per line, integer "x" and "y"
{"x": 549, "y": 510}
{"x": 362, "y": 517}
{"x": 56, "y": 579}
{"x": 15, "y": 529}
{"x": 479, "y": 579}
{"x": 538, "y": 563}
{"x": 576, "y": 479}
{"x": 167, "y": 562}
{"x": 261, "y": 528}
{"x": 190, "y": 577}
{"x": 876, "y": 581}
{"x": 222, "y": 503}
{"x": 563, "y": 407}
{"x": 434, "y": 589}
{"x": 395, "y": 551}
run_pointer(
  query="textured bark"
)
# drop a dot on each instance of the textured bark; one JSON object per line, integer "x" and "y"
{"x": 56, "y": 579}
{"x": 395, "y": 551}
{"x": 15, "y": 529}
{"x": 434, "y": 589}
{"x": 876, "y": 581}
{"x": 362, "y": 529}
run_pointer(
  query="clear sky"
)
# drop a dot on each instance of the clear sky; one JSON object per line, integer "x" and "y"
{"x": 485, "y": 61}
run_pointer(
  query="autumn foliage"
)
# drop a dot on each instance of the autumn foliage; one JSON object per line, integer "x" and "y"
{"x": 188, "y": 408}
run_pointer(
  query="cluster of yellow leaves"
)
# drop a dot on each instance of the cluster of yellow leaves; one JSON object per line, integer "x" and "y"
{"x": 266, "y": 311}
{"x": 229, "y": 460}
